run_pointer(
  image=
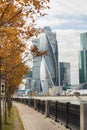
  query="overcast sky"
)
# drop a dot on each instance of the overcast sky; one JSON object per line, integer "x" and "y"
{"x": 69, "y": 19}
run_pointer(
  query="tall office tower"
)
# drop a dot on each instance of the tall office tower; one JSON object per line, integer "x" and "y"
{"x": 49, "y": 73}
{"x": 83, "y": 58}
{"x": 83, "y": 41}
{"x": 36, "y": 84}
{"x": 28, "y": 78}
{"x": 64, "y": 74}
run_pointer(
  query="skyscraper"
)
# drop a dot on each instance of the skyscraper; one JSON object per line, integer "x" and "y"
{"x": 83, "y": 41}
{"x": 28, "y": 78}
{"x": 45, "y": 72}
{"x": 36, "y": 68}
{"x": 83, "y": 58}
{"x": 33, "y": 79}
{"x": 49, "y": 73}
{"x": 64, "y": 74}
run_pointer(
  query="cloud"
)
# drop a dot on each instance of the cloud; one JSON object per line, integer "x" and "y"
{"x": 69, "y": 19}
{"x": 67, "y": 14}
{"x": 69, "y": 46}
{"x": 69, "y": 7}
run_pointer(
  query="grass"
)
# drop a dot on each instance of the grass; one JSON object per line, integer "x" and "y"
{"x": 14, "y": 121}
{"x": 10, "y": 121}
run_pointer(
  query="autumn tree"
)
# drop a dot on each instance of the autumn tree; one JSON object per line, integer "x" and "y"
{"x": 17, "y": 22}
{"x": 21, "y": 15}
{"x": 17, "y": 19}
{"x": 13, "y": 69}
{"x": 14, "y": 76}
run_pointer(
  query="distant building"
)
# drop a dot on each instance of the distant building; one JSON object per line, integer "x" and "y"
{"x": 28, "y": 78}
{"x": 36, "y": 83}
{"x": 82, "y": 66}
{"x": 49, "y": 73}
{"x": 83, "y": 41}
{"x": 45, "y": 72}
{"x": 64, "y": 74}
{"x": 83, "y": 58}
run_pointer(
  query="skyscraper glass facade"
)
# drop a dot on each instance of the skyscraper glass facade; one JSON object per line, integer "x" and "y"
{"x": 64, "y": 74}
{"x": 83, "y": 58}
{"x": 45, "y": 72}
{"x": 83, "y": 66}
{"x": 33, "y": 83}
{"x": 36, "y": 84}
{"x": 83, "y": 41}
{"x": 28, "y": 78}
{"x": 49, "y": 63}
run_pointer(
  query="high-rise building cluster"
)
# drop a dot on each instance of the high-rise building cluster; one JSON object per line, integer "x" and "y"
{"x": 47, "y": 71}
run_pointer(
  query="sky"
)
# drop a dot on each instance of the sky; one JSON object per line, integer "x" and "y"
{"x": 68, "y": 18}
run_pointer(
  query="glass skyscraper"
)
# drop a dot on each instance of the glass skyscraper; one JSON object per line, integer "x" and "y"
{"x": 33, "y": 83}
{"x": 28, "y": 78}
{"x": 49, "y": 73}
{"x": 36, "y": 84}
{"x": 45, "y": 72}
{"x": 64, "y": 74}
{"x": 83, "y": 58}
{"x": 83, "y": 41}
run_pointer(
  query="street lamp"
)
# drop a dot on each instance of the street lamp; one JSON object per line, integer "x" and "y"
{"x": 2, "y": 87}
{"x": 0, "y": 96}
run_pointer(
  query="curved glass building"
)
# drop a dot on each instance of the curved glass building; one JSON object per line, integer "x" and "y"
{"x": 49, "y": 74}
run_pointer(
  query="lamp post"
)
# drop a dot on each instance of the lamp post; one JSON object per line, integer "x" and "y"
{"x": 3, "y": 96}
{"x": 0, "y": 97}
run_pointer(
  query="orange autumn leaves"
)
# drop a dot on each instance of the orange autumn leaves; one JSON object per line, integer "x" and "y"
{"x": 11, "y": 64}
{"x": 36, "y": 52}
{"x": 13, "y": 29}
{"x": 14, "y": 13}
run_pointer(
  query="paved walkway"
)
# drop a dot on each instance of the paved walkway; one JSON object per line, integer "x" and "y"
{"x": 34, "y": 120}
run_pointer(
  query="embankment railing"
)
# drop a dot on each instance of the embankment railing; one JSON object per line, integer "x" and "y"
{"x": 64, "y": 112}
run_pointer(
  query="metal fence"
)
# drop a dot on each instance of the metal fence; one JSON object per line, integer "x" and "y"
{"x": 66, "y": 113}
{"x": 74, "y": 115}
{"x": 40, "y": 106}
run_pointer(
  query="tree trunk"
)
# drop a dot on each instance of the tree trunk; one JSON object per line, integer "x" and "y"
{"x": 9, "y": 106}
{"x": 5, "y": 120}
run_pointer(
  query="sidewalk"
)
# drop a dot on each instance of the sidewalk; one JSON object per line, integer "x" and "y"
{"x": 34, "y": 120}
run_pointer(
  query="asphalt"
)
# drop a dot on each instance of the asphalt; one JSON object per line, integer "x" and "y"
{"x": 34, "y": 120}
